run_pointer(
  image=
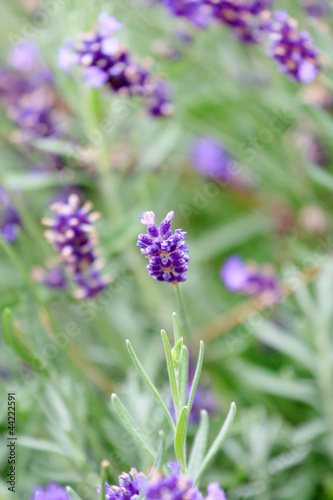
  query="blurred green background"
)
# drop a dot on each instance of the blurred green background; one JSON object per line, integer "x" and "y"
{"x": 276, "y": 366}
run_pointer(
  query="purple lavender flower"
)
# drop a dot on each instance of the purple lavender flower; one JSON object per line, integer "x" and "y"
{"x": 246, "y": 18}
{"x": 53, "y": 277}
{"x": 214, "y": 492}
{"x": 211, "y": 159}
{"x": 107, "y": 62}
{"x": 128, "y": 488}
{"x": 249, "y": 279}
{"x": 317, "y": 8}
{"x": 26, "y": 91}
{"x": 175, "y": 486}
{"x": 74, "y": 237}
{"x": 198, "y": 12}
{"x": 51, "y": 492}
{"x": 24, "y": 56}
{"x": 179, "y": 487}
{"x": 167, "y": 252}
{"x": 9, "y": 218}
{"x": 293, "y": 50}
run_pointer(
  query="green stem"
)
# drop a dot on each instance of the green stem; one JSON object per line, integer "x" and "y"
{"x": 104, "y": 472}
{"x": 185, "y": 323}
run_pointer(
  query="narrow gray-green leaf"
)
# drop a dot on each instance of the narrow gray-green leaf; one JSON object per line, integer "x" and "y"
{"x": 196, "y": 376}
{"x": 130, "y": 426}
{"x": 150, "y": 384}
{"x": 180, "y": 439}
{"x": 72, "y": 494}
{"x": 199, "y": 445}
{"x": 218, "y": 441}
{"x": 183, "y": 378}
{"x": 160, "y": 455}
{"x": 171, "y": 371}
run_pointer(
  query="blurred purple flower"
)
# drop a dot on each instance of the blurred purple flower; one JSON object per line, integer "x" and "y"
{"x": 74, "y": 237}
{"x": 159, "y": 487}
{"x": 107, "y": 62}
{"x": 51, "y": 492}
{"x": 179, "y": 487}
{"x": 211, "y": 159}
{"x": 293, "y": 50}
{"x": 317, "y": 8}
{"x": 27, "y": 93}
{"x": 246, "y": 18}
{"x": 249, "y": 279}
{"x": 67, "y": 58}
{"x": 24, "y": 56}
{"x": 198, "y": 12}
{"x": 129, "y": 486}
{"x": 9, "y": 218}
{"x": 167, "y": 252}
{"x": 53, "y": 277}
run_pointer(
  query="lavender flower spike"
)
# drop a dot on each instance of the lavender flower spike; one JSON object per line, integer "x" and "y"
{"x": 248, "y": 279}
{"x": 106, "y": 62}
{"x": 52, "y": 492}
{"x": 167, "y": 252}
{"x": 180, "y": 487}
{"x": 293, "y": 50}
{"x": 129, "y": 486}
{"x": 74, "y": 237}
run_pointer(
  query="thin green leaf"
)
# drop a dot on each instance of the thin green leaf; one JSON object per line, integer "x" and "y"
{"x": 196, "y": 376}
{"x": 180, "y": 439}
{"x": 171, "y": 371}
{"x": 176, "y": 328}
{"x": 183, "y": 378}
{"x": 130, "y": 426}
{"x": 199, "y": 446}
{"x": 150, "y": 385}
{"x": 160, "y": 455}
{"x": 218, "y": 441}
{"x": 72, "y": 494}
{"x": 17, "y": 341}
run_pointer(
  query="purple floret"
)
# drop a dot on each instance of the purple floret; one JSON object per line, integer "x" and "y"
{"x": 249, "y": 279}
{"x": 166, "y": 251}
{"x": 293, "y": 50}
{"x": 52, "y": 492}
{"x": 9, "y": 218}
{"x": 73, "y": 235}
{"x": 107, "y": 62}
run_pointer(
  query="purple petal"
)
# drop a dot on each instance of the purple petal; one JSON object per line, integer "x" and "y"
{"x": 67, "y": 58}
{"x": 109, "y": 46}
{"x": 234, "y": 274}
{"x": 147, "y": 218}
{"x": 108, "y": 23}
{"x": 307, "y": 72}
{"x": 214, "y": 492}
{"x": 95, "y": 77}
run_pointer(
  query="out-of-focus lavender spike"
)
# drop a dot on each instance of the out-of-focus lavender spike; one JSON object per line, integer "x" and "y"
{"x": 106, "y": 62}
{"x": 74, "y": 237}
{"x": 293, "y": 50}
{"x": 250, "y": 279}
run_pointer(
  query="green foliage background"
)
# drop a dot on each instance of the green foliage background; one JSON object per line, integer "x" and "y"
{"x": 277, "y": 366}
